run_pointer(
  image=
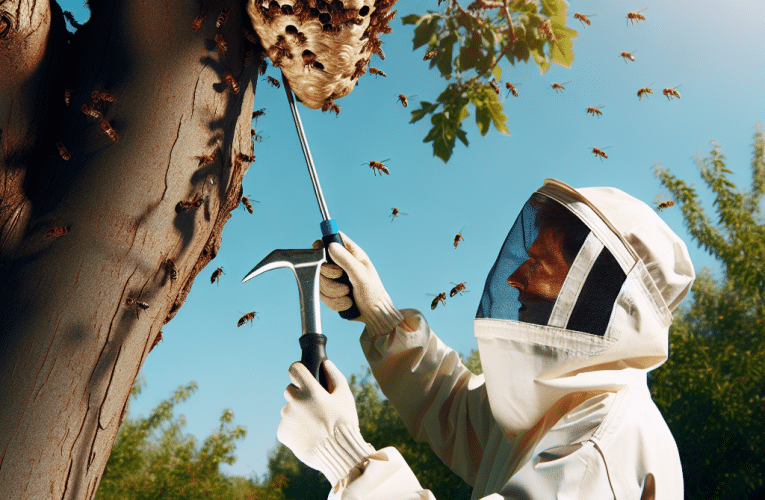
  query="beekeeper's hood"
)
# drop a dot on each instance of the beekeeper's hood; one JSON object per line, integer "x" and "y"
{"x": 579, "y": 299}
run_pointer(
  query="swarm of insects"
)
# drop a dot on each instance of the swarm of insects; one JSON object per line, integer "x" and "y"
{"x": 171, "y": 269}
{"x": 665, "y": 204}
{"x": 247, "y": 204}
{"x": 599, "y": 153}
{"x": 644, "y": 91}
{"x": 274, "y": 82}
{"x": 494, "y": 86}
{"x": 90, "y": 111}
{"x": 441, "y": 297}
{"x": 378, "y": 165}
{"x": 584, "y": 18}
{"x": 216, "y": 276}
{"x": 627, "y": 55}
{"x": 53, "y": 232}
{"x": 636, "y": 16}
{"x": 559, "y": 86}
{"x": 250, "y": 316}
{"x": 375, "y": 71}
{"x": 671, "y": 93}
{"x": 459, "y": 288}
{"x": 62, "y": 151}
{"x": 595, "y": 110}
{"x": 430, "y": 55}
{"x": 231, "y": 81}
{"x": 113, "y": 135}
{"x": 205, "y": 160}
{"x": 395, "y": 212}
{"x": 188, "y": 205}
{"x": 221, "y": 42}
{"x": 197, "y": 22}
{"x": 131, "y": 302}
{"x": 404, "y": 100}
{"x": 511, "y": 88}
{"x": 222, "y": 17}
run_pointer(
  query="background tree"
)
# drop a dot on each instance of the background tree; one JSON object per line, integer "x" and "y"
{"x": 104, "y": 222}
{"x": 712, "y": 388}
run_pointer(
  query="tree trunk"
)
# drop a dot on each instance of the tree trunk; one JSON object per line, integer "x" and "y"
{"x": 85, "y": 242}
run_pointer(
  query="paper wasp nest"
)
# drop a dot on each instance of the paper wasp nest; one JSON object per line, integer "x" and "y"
{"x": 321, "y": 47}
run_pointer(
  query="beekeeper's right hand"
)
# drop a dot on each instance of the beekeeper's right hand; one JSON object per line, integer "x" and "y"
{"x": 374, "y": 303}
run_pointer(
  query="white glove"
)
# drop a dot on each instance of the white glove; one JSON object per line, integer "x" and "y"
{"x": 322, "y": 428}
{"x": 374, "y": 303}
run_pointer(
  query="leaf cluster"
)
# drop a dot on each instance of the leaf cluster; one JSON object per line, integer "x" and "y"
{"x": 712, "y": 389}
{"x": 474, "y": 41}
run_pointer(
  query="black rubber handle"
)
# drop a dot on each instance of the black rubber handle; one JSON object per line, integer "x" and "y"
{"x": 353, "y": 311}
{"x": 314, "y": 354}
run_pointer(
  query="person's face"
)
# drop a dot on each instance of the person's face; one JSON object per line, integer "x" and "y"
{"x": 540, "y": 277}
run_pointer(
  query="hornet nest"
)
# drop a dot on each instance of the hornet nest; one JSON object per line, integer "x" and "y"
{"x": 321, "y": 47}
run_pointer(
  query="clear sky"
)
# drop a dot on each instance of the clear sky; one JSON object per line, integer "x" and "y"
{"x": 714, "y": 49}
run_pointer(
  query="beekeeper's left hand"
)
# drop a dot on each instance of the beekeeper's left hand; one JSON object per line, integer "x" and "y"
{"x": 322, "y": 427}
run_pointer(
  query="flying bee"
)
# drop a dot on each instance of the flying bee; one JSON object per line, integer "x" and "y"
{"x": 458, "y": 288}
{"x": 441, "y": 297}
{"x": 90, "y": 111}
{"x": 221, "y": 42}
{"x": 101, "y": 96}
{"x": 231, "y": 82}
{"x": 216, "y": 276}
{"x": 67, "y": 95}
{"x": 511, "y": 88}
{"x": 600, "y": 153}
{"x": 188, "y": 205}
{"x": 249, "y": 35}
{"x": 644, "y": 90}
{"x": 131, "y": 302}
{"x": 222, "y": 17}
{"x": 494, "y": 86}
{"x": 546, "y": 27}
{"x": 665, "y": 204}
{"x": 247, "y": 204}
{"x": 205, "y": 160}
{"x": 457, "y": 238}
{"x": 378, "y": 165}
{"x": 430, "y": 55}
{"x": 560, "y": 86}
{"x": 250, "y": 316}
{"x": 395, "y": 213}
{"x": 241, "y": 157}
{"x": 671, "y": 92}
{"x": 375, "y": 71}
{"x": 273, "y": 81}
{"x": 113, "y": 135}
{"x": 404, "y": 99}
{"x": 197, "y": 22}
{"x": 627, "y": 55}
{"x": 636, "y": 16}
{"x": 248, "y": 57}
{"x": 594, "y": 110}
{"x": 258, "y": 113}
{"x": 583, "y": 18}
{"x": 262, "y": 67}
{"x": 63, "y": 151}
{"x": 53, "y": 232}
{"x": 330, "y": 105}
{"x": 171, "y": 269}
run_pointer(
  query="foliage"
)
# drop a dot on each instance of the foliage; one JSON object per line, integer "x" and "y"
{"x": 475, "y": 40}
{"x": 153, "y": 459}
{"x": 712, "y": 388}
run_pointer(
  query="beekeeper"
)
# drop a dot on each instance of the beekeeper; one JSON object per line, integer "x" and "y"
{"x": 575, "y": 312}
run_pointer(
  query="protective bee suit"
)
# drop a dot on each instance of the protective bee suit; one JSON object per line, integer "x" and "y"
{"x": 575, "y": 312}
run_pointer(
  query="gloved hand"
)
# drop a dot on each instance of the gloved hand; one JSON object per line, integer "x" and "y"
{"x": 374, "y": 303}
{"x": 320, "y": 427}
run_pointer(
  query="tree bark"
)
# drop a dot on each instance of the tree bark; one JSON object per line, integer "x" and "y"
{"x": 85, "y": 242}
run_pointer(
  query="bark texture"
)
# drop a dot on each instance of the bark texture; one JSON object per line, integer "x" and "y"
{"x": 85, "y": 242}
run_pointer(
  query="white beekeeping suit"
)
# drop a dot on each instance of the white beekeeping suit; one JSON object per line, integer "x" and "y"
{"x": 575, "y": 312}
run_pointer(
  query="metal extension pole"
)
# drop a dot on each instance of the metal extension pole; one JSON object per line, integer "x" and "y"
{"x": 306, "y": 151}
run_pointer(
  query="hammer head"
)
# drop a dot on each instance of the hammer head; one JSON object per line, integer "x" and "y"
{"x": 305, "y": 264}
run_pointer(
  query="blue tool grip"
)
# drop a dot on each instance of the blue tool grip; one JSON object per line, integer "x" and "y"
{"x": 329, "y": 234}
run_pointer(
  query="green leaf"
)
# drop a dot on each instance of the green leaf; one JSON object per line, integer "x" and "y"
{"x": 425, "y": 108}
{"x": 444, "y": 57}
{"x": 426, "y": 30}
{"x": 488, "y": 109}
{"x": 442, "y": 135}
{"x": 470, "y": 53}
{"x": 561, "y": 50}
{"x": 411, "y": 19}
{"x": 497, "y": 72}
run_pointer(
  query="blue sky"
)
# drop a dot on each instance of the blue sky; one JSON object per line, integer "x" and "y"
{"x": 713, "y": 49}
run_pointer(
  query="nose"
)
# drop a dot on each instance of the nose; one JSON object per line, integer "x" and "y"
{"x": 519, "y": 278}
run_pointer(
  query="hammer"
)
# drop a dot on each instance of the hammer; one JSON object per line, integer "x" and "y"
{"x": 306, "y": 265}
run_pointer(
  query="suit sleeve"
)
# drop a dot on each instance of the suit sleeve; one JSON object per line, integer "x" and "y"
{"x": 440, "y": 401}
